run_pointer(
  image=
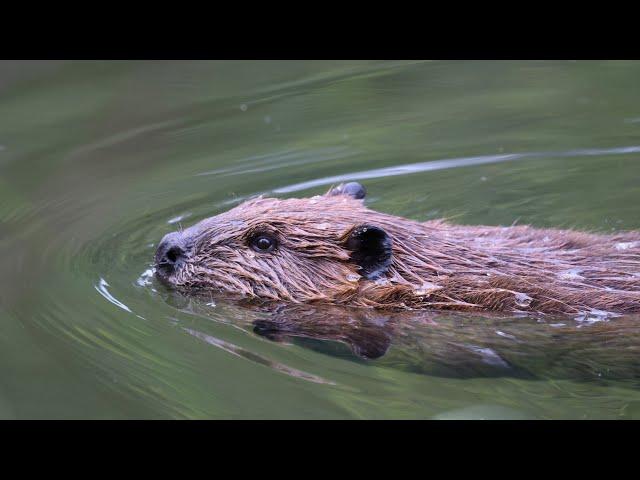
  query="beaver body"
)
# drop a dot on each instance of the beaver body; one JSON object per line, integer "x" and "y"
{"x": 332, "y": 249}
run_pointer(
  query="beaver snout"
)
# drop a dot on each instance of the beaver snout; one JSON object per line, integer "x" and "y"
{"x": 170, "y": 254}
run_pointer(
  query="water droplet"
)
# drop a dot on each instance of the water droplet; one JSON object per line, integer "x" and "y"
{"x": 426, "y": 288}
{"x": 483, "y": 179}
{"x": 626, "y": 245}
{"x": 211, "y": 304}
{"x": 572, "y": 274}
{"x": 251, "y": 254}
{"x": 382, "y": 281}
{"x": 523, "y": 300}
{"x": 243, "y": 107}
{"x": 353, "y": 277}
{"x": 594, "y": 315}
{"x": 267, "y": 119}
{"x": 145, "y": 279}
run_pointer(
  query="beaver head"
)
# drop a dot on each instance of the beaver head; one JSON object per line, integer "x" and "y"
{"x": 332, "y": 249}
{"x": 296, "y": 250}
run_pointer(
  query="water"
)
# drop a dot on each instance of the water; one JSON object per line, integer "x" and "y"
{"x": 98, "y": 160}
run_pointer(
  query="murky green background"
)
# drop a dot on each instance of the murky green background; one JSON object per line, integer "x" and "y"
{"x": 99, "y": 159}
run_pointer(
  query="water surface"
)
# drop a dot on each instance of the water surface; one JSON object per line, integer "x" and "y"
{"x": 98, "y": 160}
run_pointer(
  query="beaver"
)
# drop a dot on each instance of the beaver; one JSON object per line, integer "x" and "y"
{"x": 332, "y": 249}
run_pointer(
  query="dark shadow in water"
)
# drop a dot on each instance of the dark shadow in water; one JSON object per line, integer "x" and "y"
{"x": 446, "y": 344}
{"x": 465, "y": 345}
{"x": 313, "y": 327}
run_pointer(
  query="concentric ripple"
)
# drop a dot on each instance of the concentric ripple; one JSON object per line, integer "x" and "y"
{"x": 99, "y": 160}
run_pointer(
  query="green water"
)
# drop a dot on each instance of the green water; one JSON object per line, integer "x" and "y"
{"x": 98, "y": 160}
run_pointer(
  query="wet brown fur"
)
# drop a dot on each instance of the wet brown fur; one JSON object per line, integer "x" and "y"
{"x": 435, "y": 264}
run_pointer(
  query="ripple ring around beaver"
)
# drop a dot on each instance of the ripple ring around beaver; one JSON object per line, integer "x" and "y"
{"x": 331, "y": 249}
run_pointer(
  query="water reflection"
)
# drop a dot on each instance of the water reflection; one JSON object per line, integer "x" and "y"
{"x": 98, "y": 160}
{"x": 467, "y": 345}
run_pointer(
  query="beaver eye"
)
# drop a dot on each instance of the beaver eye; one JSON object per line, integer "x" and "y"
{"x": 263, "y": 243}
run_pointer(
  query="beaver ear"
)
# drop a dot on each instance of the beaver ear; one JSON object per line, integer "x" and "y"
{"x": 371, "y": 250}
{"x": 353, "y": 189}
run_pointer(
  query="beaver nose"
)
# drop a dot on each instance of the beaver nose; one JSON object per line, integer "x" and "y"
{"x": 170, "y": 253}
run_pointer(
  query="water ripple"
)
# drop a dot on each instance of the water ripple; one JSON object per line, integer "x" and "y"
{"x": 433, "y": 165}
{"x": 240, "y": 352}
{"x": 101, "y": 288}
